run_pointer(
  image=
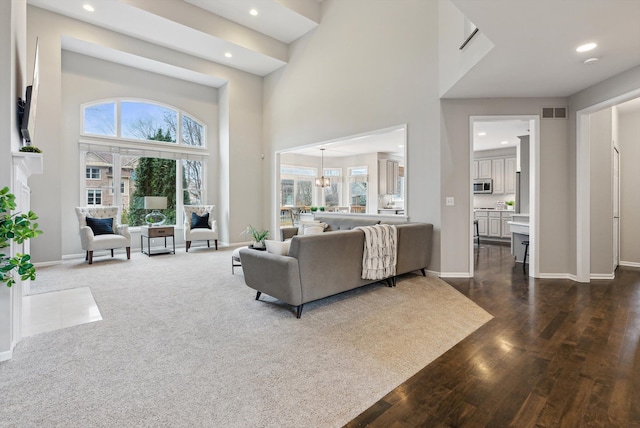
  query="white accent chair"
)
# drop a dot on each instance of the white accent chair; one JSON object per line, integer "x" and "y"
{"x": 200, "y": 233}
{"x": 90, "y": 242}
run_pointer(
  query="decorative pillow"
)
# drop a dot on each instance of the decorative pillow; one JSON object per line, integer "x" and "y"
{"x": 201, "y": 222}
{"x": 312, "y": 225}
{"x": 278, "y": 247}
{"x": 100, "y": 226}
{"x": 313, "y": 230}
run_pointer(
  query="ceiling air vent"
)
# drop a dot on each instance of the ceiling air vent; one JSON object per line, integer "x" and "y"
{"x": 554, "y": 113}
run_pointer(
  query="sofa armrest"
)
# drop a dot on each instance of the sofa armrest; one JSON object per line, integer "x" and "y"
{"x": 86, "y": 237}
{"x": 272, "y": 274}
{"x": 288, "y": 232}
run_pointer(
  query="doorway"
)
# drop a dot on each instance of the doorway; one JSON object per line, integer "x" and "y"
{"x": 583, "y": 189}
{"x": 527, "y": 159}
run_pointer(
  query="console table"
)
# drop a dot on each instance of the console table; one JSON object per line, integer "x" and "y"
{"x": 157, "y": 232}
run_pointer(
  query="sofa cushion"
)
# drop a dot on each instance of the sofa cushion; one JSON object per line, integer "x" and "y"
{"x": 312, "y": 230}
{"x": 278, "y": 247}
{"x": 100, "y": 226}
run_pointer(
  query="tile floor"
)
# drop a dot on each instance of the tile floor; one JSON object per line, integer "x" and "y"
{"x": 58, "y": 309}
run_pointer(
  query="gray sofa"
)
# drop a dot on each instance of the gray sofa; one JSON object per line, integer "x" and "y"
{"x": 319, "y": 266}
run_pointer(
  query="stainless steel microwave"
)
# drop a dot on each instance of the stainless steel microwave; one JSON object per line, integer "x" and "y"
{"x": 483, "y": 186}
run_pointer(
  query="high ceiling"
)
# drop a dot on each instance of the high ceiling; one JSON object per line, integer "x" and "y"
{"x": 535, "y": 45}
{"x": 534, "y": 53}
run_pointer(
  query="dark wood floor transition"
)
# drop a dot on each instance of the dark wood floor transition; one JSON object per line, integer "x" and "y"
{"x": 557, "y": 354}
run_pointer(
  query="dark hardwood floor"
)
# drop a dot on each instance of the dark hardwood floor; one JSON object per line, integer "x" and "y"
{"x": 557, "y": 354}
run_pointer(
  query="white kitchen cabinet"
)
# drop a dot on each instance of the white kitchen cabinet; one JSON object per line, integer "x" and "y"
{"x": 484, "y": 168}
{"x": 482, "y": 217}
{"x": 497, "y": 175}
{"x": 388, "y": 171}
{"x": 475, "y": 170}
{"x": 510, "y": 167}
{"x": 505, "y": 230}
{"x": 495, "y": 225}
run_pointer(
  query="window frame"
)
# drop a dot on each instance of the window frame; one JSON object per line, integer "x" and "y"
{"x": 118, "y": 122}
{"x": 119, "y": 147}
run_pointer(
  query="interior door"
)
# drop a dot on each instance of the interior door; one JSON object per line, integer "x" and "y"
{"x": 616, "y": 208}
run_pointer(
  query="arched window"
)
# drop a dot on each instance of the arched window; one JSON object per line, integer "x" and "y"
{"x": 136, "y": 148}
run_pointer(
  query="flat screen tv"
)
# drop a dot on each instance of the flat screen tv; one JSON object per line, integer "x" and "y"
{"x": 28, "y": 122}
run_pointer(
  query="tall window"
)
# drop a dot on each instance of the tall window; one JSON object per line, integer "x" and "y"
{"x": 358, "y": 189}
{"x": 150, "y": 150}
{"x": 296, "y": 186}
{"x": 332, "y": 194}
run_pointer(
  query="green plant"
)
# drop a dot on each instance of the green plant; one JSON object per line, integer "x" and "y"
{"x": 30, "y": 149}
{"x": 314, "y": 209}
{"x": 510, "y": 203}
{"x": 17, "y": 228}
{"x": 255, "y": 234}
{"x": 321, "y": 208}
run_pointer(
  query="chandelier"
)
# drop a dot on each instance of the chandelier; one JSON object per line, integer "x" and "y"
{"x": 322, "y": 181}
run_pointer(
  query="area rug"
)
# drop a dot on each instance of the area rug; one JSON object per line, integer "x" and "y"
{"x": 183, "y": 342}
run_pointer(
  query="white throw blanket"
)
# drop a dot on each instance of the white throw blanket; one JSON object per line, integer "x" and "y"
{"x": 380, "y": 251}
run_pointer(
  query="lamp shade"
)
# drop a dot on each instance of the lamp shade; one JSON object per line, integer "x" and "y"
{"x": 155, "y": 202}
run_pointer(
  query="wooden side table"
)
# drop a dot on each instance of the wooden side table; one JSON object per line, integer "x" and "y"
{"x": 157, "y": 232}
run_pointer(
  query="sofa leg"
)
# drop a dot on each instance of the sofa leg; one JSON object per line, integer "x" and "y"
{"x": 188, "y": 243}
{"x": 128, "y": 253}
{"x": 258, "y": 295}
{"x": 299, "y": 311}
{"x": 423, "y": 272}
{"x": 112, "y": 252}
{"x": 90, "y": 257}
{"x": 395, "y": 280}
{"x": 208, "y": 246}
{"x": 216, "y": 245}
{"x": 86, "y": 256}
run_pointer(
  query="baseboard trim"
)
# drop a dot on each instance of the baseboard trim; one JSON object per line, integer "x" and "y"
{"x": 569, "y": 276}
{"x": 630, "y": 264}
{"x": 6, "y": 355}
{"x": 45, "y": 264}
{"x": 597, "y": 276}
{"x": 455, "y": 275}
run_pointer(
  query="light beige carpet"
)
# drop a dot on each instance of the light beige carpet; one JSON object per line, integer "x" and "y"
{"x": 183, "y": 343}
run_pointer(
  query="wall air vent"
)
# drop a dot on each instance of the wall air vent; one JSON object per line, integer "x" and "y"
{"x": 554, "y": 113}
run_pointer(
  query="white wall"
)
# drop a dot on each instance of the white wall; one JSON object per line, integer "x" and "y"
{"x": 601, "y": 129}
{"x": 13, "y": 71}
{"x": 555, "y": 194}
{"x": 86, "y": 79}
{"x": 629, "y": 140}
{"x": 239, "y": 153}
{"x": 370, "y": 65}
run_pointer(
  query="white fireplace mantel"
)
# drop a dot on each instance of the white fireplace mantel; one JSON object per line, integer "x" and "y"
{"x": 28, "y": 163}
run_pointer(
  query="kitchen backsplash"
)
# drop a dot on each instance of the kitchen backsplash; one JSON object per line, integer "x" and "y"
{"x": 491, "y": 201}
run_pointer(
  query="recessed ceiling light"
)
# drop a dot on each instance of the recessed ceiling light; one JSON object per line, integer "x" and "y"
{"x": 482, "y": 134}
{"x": 586, "y": 47}
{"x": 228, "y": 54}
{"x": 504, "y": 142}
{"x": 253, "y": 12}
{"x": 88, "y": 7}
{"x": 590, "y": 60}
{"x": 401, "y": 145}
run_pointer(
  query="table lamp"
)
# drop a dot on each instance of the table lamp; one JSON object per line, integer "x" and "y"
{"x": 155, "y": 203}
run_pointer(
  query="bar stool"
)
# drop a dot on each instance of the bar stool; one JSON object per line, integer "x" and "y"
{"x": 477, "y": 235}
{"x": 526, "y": 252}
